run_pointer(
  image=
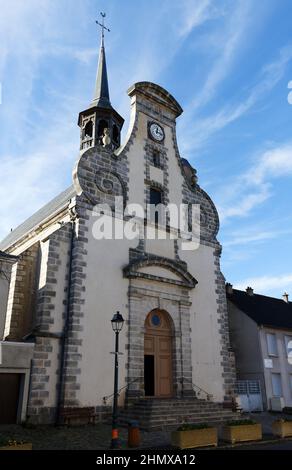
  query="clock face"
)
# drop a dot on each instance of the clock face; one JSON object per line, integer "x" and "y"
{"x": 156, "y": 132}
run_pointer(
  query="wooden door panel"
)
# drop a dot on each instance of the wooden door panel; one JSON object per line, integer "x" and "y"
{"x": 164, "y": 344}
{"x": 149, "y": 345}
{"x": 158, "y": 342}
{"x": 164, "y": 380}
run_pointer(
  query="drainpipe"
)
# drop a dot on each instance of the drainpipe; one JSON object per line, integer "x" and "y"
{"x": 60, "y": 391}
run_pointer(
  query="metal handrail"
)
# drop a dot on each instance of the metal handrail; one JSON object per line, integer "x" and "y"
{"x": 104, "y": 399}
{"x": 198, "y": 390}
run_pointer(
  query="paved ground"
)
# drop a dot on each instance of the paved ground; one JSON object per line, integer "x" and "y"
{"x": 283, "y": 445}
{"x": 266, "y": 419}
{"x": 97, "y": 437}
{"x": 76, "y": 438}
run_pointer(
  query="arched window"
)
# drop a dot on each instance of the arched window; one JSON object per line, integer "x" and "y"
{"x": 102, "y": 125}
{"x": 116, "y": 135}
{"x": 88, "y": 131}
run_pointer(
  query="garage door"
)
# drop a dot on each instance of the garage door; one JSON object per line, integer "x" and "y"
{"x": 9, "y": 396}
{"x": 249, "y": 392}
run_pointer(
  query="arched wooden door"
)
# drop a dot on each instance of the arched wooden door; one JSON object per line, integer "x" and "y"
{"x": 158, "y": 373}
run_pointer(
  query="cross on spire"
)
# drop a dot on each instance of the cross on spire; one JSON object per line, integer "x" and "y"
{"x": 103, "y": 27}
{"x": 101, "y": 92}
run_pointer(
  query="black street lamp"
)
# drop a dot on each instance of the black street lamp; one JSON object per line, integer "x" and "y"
{"x": 117, "y": 325}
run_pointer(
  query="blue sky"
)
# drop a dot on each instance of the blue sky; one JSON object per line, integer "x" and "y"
{"x": 228, "y": 62}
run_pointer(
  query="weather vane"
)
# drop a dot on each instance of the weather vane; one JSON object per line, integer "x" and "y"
{"x": 103, "y": 27}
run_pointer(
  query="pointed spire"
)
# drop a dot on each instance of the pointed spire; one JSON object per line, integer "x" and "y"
{"x": 100, "y": 116}
{"x": 101, "y": 97}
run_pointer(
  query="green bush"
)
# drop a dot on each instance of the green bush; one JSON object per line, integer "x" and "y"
{"x": 10, "y": 442}
{"x": 192, "y": 427}
{"x": 241, "y": 422}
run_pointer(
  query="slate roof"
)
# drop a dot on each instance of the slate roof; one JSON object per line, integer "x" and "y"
{"x": 40, "y": 216}
{"x": 101, "y": 92}
{"x": 266, "y": 311}
{"x": 7, "y": 257}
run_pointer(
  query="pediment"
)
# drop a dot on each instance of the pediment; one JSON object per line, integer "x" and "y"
{"x": 155, "y": 268}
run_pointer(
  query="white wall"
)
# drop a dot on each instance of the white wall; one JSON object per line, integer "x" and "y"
{"x": 106, "y": 293}
{"x": 280, "y": 364}
{"x": 206, "y": 340}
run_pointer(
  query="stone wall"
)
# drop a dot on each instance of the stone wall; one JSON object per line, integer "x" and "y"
{"x": 22, "y": 296}
{"x": 5, "y": 275}
{"x": 48, "y": 331}
{"x": 227, "y": 355}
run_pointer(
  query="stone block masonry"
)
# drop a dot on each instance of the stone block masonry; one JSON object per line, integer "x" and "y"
{"x": 228, "y": 358}
{"x": 21, "y": 304}
{"x": 49, "y": 324}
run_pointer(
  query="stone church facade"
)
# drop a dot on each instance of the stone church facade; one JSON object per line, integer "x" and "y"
{"x": 65, "y": 284}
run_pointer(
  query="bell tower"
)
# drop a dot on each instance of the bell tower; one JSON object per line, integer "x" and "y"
{"x": 100, "y": 123}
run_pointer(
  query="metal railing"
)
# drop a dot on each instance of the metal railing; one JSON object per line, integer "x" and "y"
{"x": 107, "y": 397}
{"x": 199, "y": 392}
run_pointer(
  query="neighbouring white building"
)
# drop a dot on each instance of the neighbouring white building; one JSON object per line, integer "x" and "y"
{"x": 261, "y": 337}
{"x": 66, "y": 285}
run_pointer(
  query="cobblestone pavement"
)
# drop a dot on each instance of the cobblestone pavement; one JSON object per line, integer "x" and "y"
{"x": 91, "y": 437}
{"x": 98, "y": 437}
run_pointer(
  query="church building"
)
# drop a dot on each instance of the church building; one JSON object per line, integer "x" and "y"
{"x": 66, "y": 281}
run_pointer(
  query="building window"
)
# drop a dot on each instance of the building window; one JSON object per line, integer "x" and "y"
{"x": 272, "y": 344}
{"x": 88, "y": 131}
{"x": 102, "y": 125}
{"x": 156, "y": 159}
{"x": 288, "y": 346}
{"x": 277, "y": 385}
{"x": 155, "y": 196}
{"x": 155, "y": 200}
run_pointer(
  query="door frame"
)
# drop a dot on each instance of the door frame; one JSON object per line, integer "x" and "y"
{"x": 23, "y": 391}
{"x": 153, "y": 332}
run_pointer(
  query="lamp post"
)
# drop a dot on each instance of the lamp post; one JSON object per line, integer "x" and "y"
{"x": 117, "y": 325}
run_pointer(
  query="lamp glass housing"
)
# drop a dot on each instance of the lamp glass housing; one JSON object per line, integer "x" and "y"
{"x": 117, "y": 322}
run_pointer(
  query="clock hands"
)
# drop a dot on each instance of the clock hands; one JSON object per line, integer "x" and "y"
{"x": 157, "y": 132}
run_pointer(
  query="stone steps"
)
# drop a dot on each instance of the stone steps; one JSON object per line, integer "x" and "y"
{"x": 161, "y": 414}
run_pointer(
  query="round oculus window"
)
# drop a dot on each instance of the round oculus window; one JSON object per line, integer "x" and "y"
{"x": 155, "y": 320}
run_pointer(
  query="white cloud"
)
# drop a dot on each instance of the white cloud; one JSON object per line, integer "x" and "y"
{"x": 32, "y": 180}
{"x": 243, "y": 202}
{"x": 254, "y": 187}
{"x": 239, "y": 239}
{"x": 272, "y": 285}
{"x": 155, "y": 49}
{"x": 274, "y": 163}
{"x": 203, "y": 129}
{"x": 231, "y": 41}
{"x": 193, "y": 15}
